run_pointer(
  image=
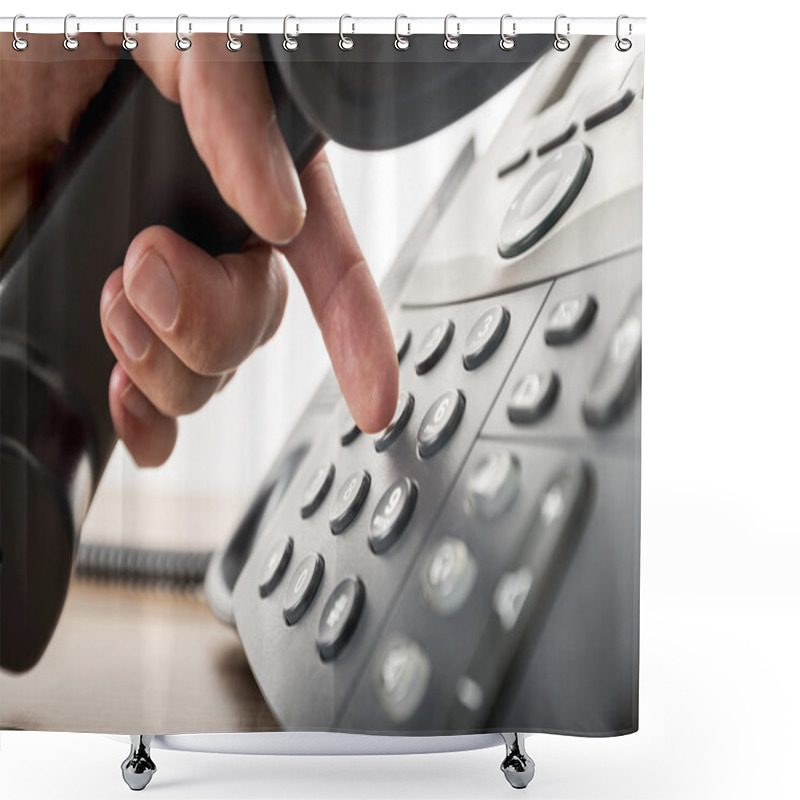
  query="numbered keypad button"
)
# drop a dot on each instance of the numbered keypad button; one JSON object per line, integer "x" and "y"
{"x": 340, "y": 617}
{"x": 570, "y": 319}
{"x": 615, "y": 383}
{"x": 485, "y": 336}
{"x": 316, "y": 490}
{"x": 348, "y": 501}
{"x": 278, "y": 557}
{"x": 401, "y": 678}
{"x": 405, "y": 407}
{"x": 448, "y": 575}
{"x": 493, "y": 484}
{"x": 533, "y": 396}
{"x": 348, "y": 430}
{"x": 434, "y": 346}
{"x": 392, "y": 514}
{"x": 402, "y": 341}
{"x": 440, "y": 422}
{"x": 302, "y": 588}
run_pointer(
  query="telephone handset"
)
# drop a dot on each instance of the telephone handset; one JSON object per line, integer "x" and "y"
{"x": 56, "y": 434}
{"x": 475, "y": 565}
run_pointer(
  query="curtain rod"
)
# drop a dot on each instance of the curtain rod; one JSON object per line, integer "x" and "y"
{"x": 298, "y": 25}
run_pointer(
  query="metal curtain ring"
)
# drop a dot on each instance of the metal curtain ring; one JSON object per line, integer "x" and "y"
{"x": 345, "y": 42}
{"x": 561, "y": 43}
{"x": 182, "y": 42}
{"x": 451, "y": 42}
{"x": 128, "y": 42}
{"x": 401, "y": 42}
{"x": 233, "y": 44}
{"x": 289, "y": 42}
{"x": 507, "y": 42}
{"x": 18, "y": 43}
{"x": 70, "y": 42}
{"x": 623, "y": 45}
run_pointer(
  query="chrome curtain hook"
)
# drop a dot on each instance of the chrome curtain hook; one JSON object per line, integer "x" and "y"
{"x": 507, "y": 42}
{"x": 128, "y": 42}
{"x": 70, "y": 42}
{"x": 18, "y": 43}
{"x": 451, "y": 42}
{"x": 561, "y": 43}
{"x": 289, "y": 42}
{"x": 623, "y": 45}
{"x": 183, "y": 43}
{"x": 401, "y": 42}
{"x": 345, "y": 42}
{"x": 234, "y": 44}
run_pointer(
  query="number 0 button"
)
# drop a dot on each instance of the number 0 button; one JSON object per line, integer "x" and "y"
{"x": 348, "y": 501}
{"x": 485, "y": 336}
{"x": 391, "y": 515}
{"x": 440, "y": 422}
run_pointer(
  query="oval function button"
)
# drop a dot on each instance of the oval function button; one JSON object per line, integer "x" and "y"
{"x": 339, "y": 618}
{"x": 348, "y": 430}
{"x": 405, "y": 407}
{"x": 348, "y": 501}
{"x": 615, "y": 383}
{"x": 533, "y": 396}
{"x": 434, "y": 346}
{"x": 440, "y": 422}
{"x": 278, "y": 557}
{"x": 392, "y": 514}
{"x": 570, "y": 319}
{"x": 401, "y": 678}
{"x": 485, "y": 336}
{"x": 448, "y": 575}
{"x": 318, "y": 487}
{"x": 493, "y": 484}
{"x": 544, "y": 198}
{"x": 302, "y": 587}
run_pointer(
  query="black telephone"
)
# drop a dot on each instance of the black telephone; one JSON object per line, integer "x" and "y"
{"x": 435, "y": 577}
{"x": 56, "y": 433}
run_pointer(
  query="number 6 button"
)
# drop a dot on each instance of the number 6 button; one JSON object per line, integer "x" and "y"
{"x": 440, "y": 422}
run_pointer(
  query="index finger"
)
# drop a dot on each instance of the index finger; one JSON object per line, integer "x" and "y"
{"x": 230, "y": 118}
{"x": 345, "y": 301}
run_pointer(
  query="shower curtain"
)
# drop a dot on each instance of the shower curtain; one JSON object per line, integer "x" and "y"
{"x": 392, "y": 291}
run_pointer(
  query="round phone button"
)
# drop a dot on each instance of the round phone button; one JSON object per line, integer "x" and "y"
{"x": 340, "y": 617}
{"x": 278, "y": 557}
{"x": 348, "y": 501}
{"x": 544, "y": 198}
{"x": 302, "y": 587}
{"x": 392, "y": 514}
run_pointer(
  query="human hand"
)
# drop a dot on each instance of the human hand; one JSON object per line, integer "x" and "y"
{"x": 180, "y": 321}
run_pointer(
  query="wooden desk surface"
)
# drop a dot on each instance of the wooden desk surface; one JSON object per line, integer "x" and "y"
{"x": 138, "y": 660}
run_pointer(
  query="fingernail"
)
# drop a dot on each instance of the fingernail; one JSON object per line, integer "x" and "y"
{"x": 291, "y": 192}
{"x": 153, "y": 290}
{"x": 136, "y": 404}
{"x": 128, "y": 328}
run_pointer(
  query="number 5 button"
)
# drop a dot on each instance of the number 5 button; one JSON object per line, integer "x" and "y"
{"x": 440, "y": 422}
